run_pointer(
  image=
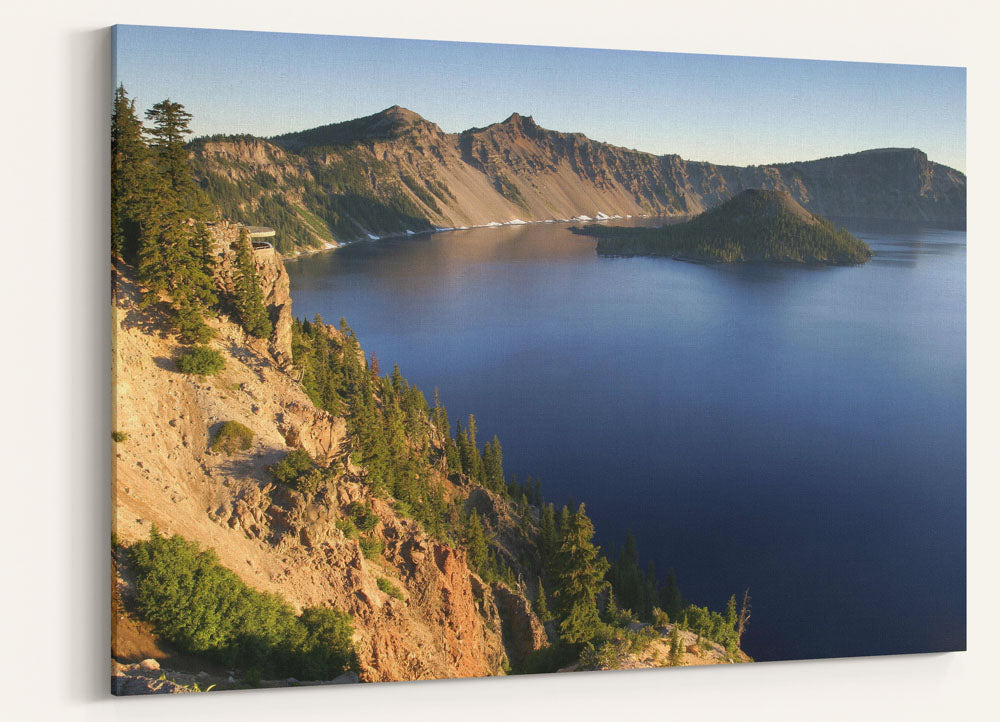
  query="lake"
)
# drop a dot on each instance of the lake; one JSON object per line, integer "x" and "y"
{"x": 796, "y": 431}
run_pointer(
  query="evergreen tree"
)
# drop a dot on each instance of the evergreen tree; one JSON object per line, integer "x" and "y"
{"x": 493, "y": 465}
{"x": 248, "y": 297}
{"x": 168, "y": 131}
{"x": 676, "y": 647}
{"x": 397, "y": 381}
{"x": 452, "y": 457}
{"x": 475, "y": 542}
{"x": 440, "y": 415}
{"x": 473, "y": 462}
{"x": 174, "y": 250}
{"x": 731, "y": 616}
{"x": 536, "y": 491}
{"x": 670, "y": 597}
{"x": 611, "y": 611}
{"x": 132, "y": 178}
{"x": 548, "y": 536}
{"x": 579, "y": 570}
{"x": 541, "y": 604}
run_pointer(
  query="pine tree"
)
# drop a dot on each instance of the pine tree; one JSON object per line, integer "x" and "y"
{"x": 132, "y": 178}
{"x": 493, "y": 465}
{"x": 579, "y": 571}
{"x": 475, "y": 542}
{"x": 611, "y": 611}
{"x": 541, "y": 604}
{"x": 731, "y": 615}
{"x": 397, "y": 381}
{"x": 548, "y": 536}
{"x": 174, "y": 249}
{"x": 247, "y": 296}
{"x": 676, "y": 647}
{"x": 440, "y": 415}
{"x": 473, "y": 463}
{"x": 170, "y": 126}
{"x": 563, "y": 524}
{"x": 670, "y": 597}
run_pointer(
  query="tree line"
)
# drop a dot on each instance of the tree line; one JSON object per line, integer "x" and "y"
{"x": 159, "y": 220}
{"x": 404, "y": 445}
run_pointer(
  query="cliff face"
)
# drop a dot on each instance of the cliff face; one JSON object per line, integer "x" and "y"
{"x": 449, "y": 624}
{"x": 272, "y": 278}
{"x": 395, "y": 171}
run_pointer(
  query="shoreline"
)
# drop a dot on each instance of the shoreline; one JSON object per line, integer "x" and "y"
{"x": 599, "y": 218}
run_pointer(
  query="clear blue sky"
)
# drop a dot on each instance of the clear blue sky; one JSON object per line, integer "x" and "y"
{"x": 725, "y": 109}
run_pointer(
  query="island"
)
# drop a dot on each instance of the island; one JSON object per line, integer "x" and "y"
{"x": 754, "y": 226}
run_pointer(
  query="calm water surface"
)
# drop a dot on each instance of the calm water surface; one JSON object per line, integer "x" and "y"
{"x": 797, "y": 431}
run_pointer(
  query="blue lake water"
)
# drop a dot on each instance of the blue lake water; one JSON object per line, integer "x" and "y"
{"x": 797, "y": 431}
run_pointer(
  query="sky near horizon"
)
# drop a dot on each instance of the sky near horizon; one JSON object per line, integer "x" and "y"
{"x": 725, "y": 109}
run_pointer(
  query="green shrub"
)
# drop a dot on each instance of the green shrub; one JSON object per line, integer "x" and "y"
{"x": 119, "y": 437}
{"x": 606, "y": 655}
{"x": 547, "y": 659}
{"x": 660, "y": 618}
{"x": 389, "y": 588}
{"x": 299, "y": 471}
{"x": 348, "y": 528}
{"x": 231, "y": 437}
{"x": 201, "y": 607}
{"x": 200, "y": 361}
{"x": 363, "y": 517}
{"x": 371, "y": 547}
{"x": 309, "y": 482}
{"x": 295, "y": 464}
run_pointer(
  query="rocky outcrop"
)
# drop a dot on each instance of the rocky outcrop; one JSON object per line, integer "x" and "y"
{"x": 656, "y": 651}
{"x": 525, "y": 631}
{"x": 148, "y": 677}
{"x": 448, "y": 624}
{"x": 406, "y": 173}
{"x": 145, "y": 678}
{"x": 271, "y": 275}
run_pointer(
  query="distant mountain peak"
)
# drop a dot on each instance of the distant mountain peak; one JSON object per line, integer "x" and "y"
{"x": 519, "y": 120}
{"x": 386, "y": 124}
{"x": 399, "y": 113}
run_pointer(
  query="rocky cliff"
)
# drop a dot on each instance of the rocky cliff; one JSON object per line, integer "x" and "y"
{"x": 395, "y": 171}
{"x": 419, "y": 610}
{"x": 449, "y": 622}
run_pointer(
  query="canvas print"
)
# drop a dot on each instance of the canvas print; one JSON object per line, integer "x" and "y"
{"x": 441, "y": 359}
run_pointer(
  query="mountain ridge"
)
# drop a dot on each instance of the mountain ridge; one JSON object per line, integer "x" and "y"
{"x": 395, "y": 171}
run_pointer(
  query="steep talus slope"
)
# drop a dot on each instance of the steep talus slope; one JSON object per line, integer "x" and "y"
{"x": 395, "y": 171}
{"x": 449, "y": 623}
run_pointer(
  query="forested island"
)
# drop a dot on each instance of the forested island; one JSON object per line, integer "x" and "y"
{"x": 754, "y": 226}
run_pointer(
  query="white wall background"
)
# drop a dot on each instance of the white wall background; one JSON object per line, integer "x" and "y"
{"x": 54, "y": 513}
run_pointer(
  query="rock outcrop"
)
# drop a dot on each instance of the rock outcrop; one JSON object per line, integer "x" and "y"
{"x": 448, "y": 624}
{"x": 271, "y": 275}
